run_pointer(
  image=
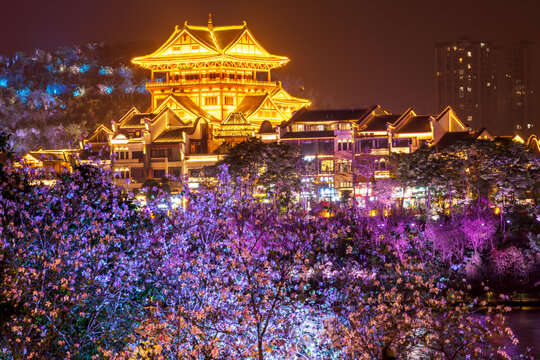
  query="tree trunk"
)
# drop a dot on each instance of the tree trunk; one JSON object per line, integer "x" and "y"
{"x": 428, "y": 207}
{"x": 260, "y": 346}
{"x": 450, "y": 202}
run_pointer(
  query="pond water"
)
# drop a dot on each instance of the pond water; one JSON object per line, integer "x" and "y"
{"x": 526, "y": 326}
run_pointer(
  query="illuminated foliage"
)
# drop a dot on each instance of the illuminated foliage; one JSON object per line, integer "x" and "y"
{"x": 53, "y": 98}
{"x": 86, "y": 273}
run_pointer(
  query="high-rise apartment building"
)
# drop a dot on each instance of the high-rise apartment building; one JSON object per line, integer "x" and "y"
{"x": 466, "y": 80}
{"x": 517, "y": 110}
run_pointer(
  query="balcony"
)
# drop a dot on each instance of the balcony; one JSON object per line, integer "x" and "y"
{"x": 382, "y": 174}
{"x": 401, "y": 150}
{"x": 157, "y": 84}
{"x": 379, "y": 152}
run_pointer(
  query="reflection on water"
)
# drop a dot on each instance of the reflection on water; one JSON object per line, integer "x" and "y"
{"x": 526, "y": 326}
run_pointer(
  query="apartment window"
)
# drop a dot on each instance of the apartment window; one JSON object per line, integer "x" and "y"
{"x": 138, "y": 174}
{"x": 401, "y": 142}
{"x": 158, "y": 173}
{"x": 197, "y": 147}
{"x": 194, "y": 172}
{"x": 122, "y": 174}
{"x": 327, "y": 166}
{"x": 210, "y": 100}
{"x": 121, "y": 155}
{"x": 137, "y": 155}
{"x": 175, "y": 171}
{"x": 326, "y": 146}
{"x": 469, "y": 54}
{"x": 229, "y": 100}
{"x": 344, "y": 165}
{"x": 308, "y": 147}
{"x": 382, "y": 143}
{"x": 160, "y": 152}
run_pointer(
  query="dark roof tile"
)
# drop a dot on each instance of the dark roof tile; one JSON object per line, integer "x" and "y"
{"x": 308, "y": 134}
{"x": 416, "y": 124}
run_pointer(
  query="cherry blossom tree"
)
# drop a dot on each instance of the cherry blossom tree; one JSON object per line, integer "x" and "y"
{"x": 70, "y": 259}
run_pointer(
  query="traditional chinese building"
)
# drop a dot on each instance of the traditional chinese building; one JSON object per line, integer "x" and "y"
{"x": 210, "y": 86}
{"x": 350, "y": 148}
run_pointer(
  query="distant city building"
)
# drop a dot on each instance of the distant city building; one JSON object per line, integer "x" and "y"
{"x": 466, "y": 80}
{"x": 517, "y": 89}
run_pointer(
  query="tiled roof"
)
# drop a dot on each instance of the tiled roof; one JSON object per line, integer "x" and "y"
{"x": 53, "y": 155}
{"x": 305, "y": 115}
{"x": 250, "y": 104}
{"x": 416, "y": 124}
{"x": 137, "y": 120}
{"x": 172, "y": 135}
{"x": 226, "y": 36}
{"x": 308, "y": 134}
{"x": 450, "y": 138}
{"x": 204, "y": 36}
{"x": 378, "y": 123}
{"x": 190, "y": 106}
{"x": 216, "y": 38}
{"x": 267, "y": 128}
{"x": 235, "y": 125}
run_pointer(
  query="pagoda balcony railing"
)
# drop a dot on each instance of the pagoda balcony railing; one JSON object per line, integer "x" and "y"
{"x": 154, "y": 84}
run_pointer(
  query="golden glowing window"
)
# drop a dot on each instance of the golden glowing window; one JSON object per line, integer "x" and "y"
{"x": 327, "y": 166}
{"x": 229, "y": 100}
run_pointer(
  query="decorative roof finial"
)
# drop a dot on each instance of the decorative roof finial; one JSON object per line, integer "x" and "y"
{"x": 210, "y": 26}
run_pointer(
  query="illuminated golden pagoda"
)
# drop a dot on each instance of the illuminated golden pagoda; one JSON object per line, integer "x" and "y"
{"x": 210, "y": 88}
{"x": 218, "y": 69}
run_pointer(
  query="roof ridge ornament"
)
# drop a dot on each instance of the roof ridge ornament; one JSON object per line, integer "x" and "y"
{"x": 210, "y": 25}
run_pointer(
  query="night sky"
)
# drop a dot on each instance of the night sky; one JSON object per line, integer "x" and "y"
{"x": 348, "y": 53}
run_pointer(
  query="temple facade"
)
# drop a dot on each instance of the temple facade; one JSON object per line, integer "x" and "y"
{"x": 210, "y": 86}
